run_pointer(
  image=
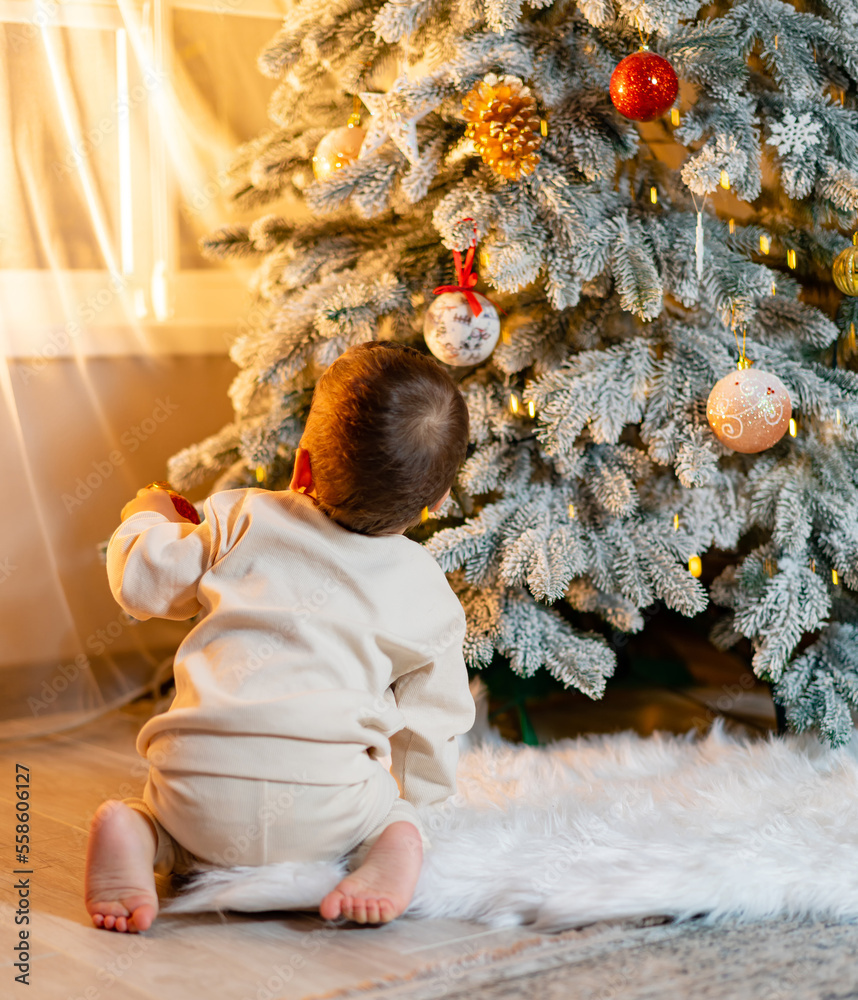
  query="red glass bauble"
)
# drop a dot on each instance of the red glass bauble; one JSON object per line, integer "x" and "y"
{"x": 185, "y": 508}
{"x": 643, "y": 86}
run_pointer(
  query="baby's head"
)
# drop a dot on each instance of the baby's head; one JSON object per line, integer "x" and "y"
{"x": 385, "y": 436}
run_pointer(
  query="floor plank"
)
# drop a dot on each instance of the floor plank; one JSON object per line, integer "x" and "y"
{"x": 228, "y": 956}
{"x": 233, "y": 956}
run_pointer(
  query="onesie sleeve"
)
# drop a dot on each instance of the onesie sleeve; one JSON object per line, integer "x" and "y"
{"x": 437, "y": 705}
{"x": 154, "y": 565}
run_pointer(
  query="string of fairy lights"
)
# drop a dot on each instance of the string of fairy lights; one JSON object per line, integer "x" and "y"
{"x": 521, "y": 407}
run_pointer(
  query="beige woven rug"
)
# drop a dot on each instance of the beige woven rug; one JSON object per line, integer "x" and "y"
{"x": 773, "y": 960}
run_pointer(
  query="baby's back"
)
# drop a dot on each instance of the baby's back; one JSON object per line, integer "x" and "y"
{"x": 305, "y": 626}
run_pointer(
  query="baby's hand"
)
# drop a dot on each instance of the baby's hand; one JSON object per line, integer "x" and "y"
{"x": 153, "y": 499}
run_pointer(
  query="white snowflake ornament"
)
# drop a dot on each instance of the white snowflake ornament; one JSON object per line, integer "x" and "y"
{"x": 794, "y": 135}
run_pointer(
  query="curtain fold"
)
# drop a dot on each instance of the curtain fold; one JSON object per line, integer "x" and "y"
{"x": 117, "y": 125}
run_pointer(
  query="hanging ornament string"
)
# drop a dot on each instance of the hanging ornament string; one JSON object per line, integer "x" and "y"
{"x": 354, "y": 117}
{"x": 698, "y": 236}
{"x": 744, "y": 361}
{"x": 466, "y": 277}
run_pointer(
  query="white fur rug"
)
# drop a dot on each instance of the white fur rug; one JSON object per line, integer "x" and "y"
{"x": 615, "y": 826}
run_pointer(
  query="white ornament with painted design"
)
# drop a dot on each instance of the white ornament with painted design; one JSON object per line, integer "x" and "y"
{"x": 749, "y": 410}
{"x": 455, "y": 335}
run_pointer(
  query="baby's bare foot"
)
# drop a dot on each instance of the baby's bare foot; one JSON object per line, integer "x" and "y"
{"x": 120, "y": 880}
{"x": 382, "y": 887}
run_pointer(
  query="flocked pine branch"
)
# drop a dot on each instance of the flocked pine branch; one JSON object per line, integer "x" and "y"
{"x": 592, "y": 497}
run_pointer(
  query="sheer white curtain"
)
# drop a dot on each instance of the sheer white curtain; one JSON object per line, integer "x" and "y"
{"x": 117, "y": 122}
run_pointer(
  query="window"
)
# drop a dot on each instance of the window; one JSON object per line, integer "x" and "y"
{"x": 119, "y": 118}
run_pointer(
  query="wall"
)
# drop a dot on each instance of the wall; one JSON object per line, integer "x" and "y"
{"x": 89, "y": 433}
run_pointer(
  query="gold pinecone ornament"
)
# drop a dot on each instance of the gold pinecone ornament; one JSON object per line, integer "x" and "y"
{"x": 504, "y": 125}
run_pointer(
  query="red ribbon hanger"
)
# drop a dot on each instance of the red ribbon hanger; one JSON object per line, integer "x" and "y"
{"x": 464, "y": 275}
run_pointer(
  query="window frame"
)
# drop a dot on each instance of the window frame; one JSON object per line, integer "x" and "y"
{"x": 153, "y": 306}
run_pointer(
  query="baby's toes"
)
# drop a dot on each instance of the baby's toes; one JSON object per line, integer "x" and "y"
{"x": 386, "y": 911}
{"x": 358, "y": 910}
{"x": 372, "y": 915}
{"x": 331, "y": 906}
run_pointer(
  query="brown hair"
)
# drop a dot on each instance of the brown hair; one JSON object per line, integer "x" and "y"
{"x": 386, "y": 433}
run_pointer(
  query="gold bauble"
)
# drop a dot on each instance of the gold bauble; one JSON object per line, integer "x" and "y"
{"x": 845, "y": 271}
{"x": 337, "y": 149}
{"x": 504, "y": 125}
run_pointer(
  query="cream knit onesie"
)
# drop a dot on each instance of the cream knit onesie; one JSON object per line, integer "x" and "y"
{"x": 318, "y": 650}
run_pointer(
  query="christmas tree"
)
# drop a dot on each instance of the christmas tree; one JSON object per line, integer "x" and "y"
{"x": 602, "y": 467}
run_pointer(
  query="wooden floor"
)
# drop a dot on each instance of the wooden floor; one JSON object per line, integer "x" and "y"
{"x": 230, "y": 957}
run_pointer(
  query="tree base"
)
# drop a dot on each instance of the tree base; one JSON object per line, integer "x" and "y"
{"x": 780, "y": 715}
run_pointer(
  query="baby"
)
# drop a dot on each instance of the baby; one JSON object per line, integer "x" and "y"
{"x": 326, "y": 641}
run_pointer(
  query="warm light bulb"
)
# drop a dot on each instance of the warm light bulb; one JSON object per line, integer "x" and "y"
{"x": 260, "y": 473}
{"x": 674, "y": 116}
{"x": 695, "y": 566}
{"x": 835, "y": 579}
{"x": 793, "y": 427}
{"x": 531, "y": 408}
{"x": 676, "y": 522}
{"x": 790, "y": 258}
{"x": 725, "y": 180}
{"x": 572, "y": 513}
{"x": 764, "y": 244}
{"x": 732, "y": 226}
{"x": 653, "y": 195}
{"x": 513, "y": 403}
